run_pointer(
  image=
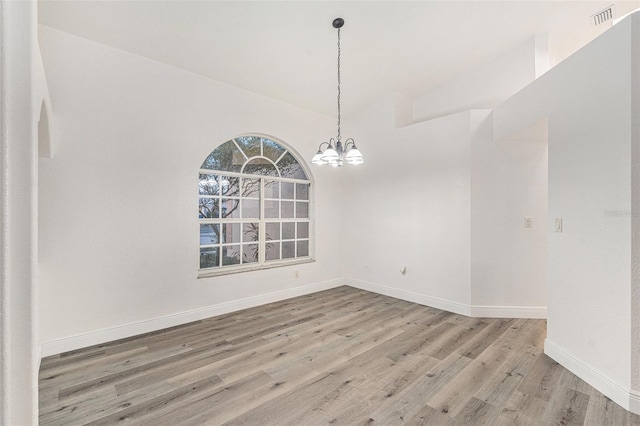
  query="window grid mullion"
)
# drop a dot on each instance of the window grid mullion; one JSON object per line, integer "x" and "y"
{"x": 239, "y": 174}
{"x": 262, "y": 246}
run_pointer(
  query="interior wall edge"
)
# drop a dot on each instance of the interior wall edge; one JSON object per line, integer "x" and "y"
{"x": 18, "y": 153}
{"x": 84, "y": 340}
{"x": 626, "y": 398}
{"x": 635, "y": 207}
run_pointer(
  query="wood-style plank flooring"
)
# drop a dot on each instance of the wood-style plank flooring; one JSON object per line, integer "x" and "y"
{"x": 342, "y": 356}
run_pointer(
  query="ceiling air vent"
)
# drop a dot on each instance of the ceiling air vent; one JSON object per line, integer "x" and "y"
{"x": 603, "y": 16}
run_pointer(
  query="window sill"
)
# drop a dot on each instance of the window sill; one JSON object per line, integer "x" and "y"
{"x": 237, "y": 270}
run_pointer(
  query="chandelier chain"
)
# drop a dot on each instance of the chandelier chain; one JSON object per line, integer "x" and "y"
{"x": 338, "y": 138}
{"x": 337, "y": 153}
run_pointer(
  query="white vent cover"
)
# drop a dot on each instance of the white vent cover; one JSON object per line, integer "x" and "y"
{"x": 603, "y": 16}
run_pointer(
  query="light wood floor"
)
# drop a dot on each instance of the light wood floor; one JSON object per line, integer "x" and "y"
{"x": 342, "y": 356}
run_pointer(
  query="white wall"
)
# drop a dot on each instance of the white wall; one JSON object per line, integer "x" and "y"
{"x": 409, "y": 205}
{"x": 487, "y": 85}
{"x": 634, "y": 301}
{"x": 587, "y": 99}
{"x": 441, "y": 198}
{"x": 19, "y": 111}
{"x": 118, "y": 221}
{"x": 508, "y": 261}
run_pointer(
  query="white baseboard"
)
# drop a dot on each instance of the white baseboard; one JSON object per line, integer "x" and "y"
{"x": 634, "y": 402}
{"x": 534, "y": 312}
{"x": 627, "y": 399}
{"x": 455, "y": 307}
{"x": 84, "y": 340}
{"x": 435, "y": 302}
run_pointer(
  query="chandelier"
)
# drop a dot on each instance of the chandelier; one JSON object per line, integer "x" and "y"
{"x": 335, "y": 153}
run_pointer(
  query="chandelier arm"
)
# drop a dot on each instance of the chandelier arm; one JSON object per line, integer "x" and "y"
{"x": 349, "y": 143}
{"x": 323, "y": 143}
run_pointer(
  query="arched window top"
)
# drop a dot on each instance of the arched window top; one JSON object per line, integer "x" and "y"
{"x": 255, "y": 155}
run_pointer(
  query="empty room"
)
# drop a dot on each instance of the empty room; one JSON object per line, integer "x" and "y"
{"x": 319, "y": 212}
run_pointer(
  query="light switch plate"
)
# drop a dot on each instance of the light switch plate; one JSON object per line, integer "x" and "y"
{"x": 528, "y": 222}
{"x": 558, "y": 224}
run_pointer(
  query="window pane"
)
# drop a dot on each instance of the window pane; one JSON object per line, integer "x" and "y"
{"x": 209, "y": 234}
{"x": 286, "y": 209}
{"x": 230, "y": 186}
{"x": 230, "y": 255}
{"x": 303, "y": 248}
{"x": 303, "y": 230}
{"x": 288, "y": 249}
{"x": 260, "y": 166}
{"x": 230, "y": 208}
{"x": 287, "y": 190}
{"x": 250, "y": 232}
{"x": 208, "y": 185}
{"x": 302, "y": 191}
{"x": 288, "y": 230}
{"x": 250, "y": 253}
{"x": 290, "y": 168}
{"x": 208, "y": 208}
{"x": 251, "y": 188}
{"x": 272, "y": 251}
{"x": 272, "y": 231}
{"x": 209, "y": 257}
{"x": 302, "y": 209}
{"x": 271, "y": 189}
{"x": 236, "y": 204}
{"x": 271, "y": 149}
{"x": 231, "y": 233}
{"x": 250, "y": 145}
{"x": 271, "y": 208}
{"x": 251, "y": 209}
{"x": 226, "y": 157}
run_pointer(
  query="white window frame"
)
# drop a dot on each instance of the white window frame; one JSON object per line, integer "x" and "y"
{"x": 262, "y": 220}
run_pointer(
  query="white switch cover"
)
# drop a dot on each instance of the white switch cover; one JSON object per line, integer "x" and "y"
{"x": 558, "y": 224}
{"x": 528, "y": 222}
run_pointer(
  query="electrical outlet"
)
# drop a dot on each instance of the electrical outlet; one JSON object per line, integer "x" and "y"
{"x": 296, "y": 274}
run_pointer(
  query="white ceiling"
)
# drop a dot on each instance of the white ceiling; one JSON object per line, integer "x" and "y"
{"x": 287, "y": 50}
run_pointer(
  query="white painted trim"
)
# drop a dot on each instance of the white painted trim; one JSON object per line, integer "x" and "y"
{"x": 435, "y": 302}
{"x": 634, "y": 401}
{"x": 627, "y": 399}
{"x": 478, "y": 311}
{"x": 228, "y": 270}
{"x": 535, "y": 312}
{"x": 84, "y": 340}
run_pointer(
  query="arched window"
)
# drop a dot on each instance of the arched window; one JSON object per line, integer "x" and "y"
{"x": 253, "y": 207}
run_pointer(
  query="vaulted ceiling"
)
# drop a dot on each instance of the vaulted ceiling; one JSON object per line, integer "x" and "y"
{"x": 287, "y": 50}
